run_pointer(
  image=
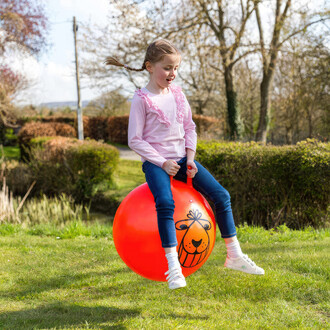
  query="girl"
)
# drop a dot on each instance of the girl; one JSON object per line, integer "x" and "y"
{"x": 162, "y": 132}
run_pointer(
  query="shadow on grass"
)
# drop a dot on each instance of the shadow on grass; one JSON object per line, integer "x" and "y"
{"x": 40, "y": 285}
{"x": 59, "y": 315}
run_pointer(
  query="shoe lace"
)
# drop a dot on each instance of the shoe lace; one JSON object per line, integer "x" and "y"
{"x": 174, "y": 273}
{"x": 246, "y": 258}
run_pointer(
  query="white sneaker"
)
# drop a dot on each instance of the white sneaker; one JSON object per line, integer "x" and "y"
{"x": 244, "y": 264}
{"x": 175, "y": 278}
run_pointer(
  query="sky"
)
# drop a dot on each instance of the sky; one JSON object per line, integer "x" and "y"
{"x": 53, "y": 74}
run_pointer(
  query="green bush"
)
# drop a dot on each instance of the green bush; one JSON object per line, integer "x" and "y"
{"x": 71, "y": 166}
{"x": 7, "y": 136}
{"x": 59, "y": 119}
{"x": 270, "y": 185}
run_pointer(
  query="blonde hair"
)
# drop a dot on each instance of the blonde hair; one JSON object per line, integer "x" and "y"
{"x": 155, "y": 53}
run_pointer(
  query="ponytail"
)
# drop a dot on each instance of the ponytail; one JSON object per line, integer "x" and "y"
{"x": 155, "y": 53}
{"x": 113, "y": 61}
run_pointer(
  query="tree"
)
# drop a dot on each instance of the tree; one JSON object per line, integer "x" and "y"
{"x": 301, "y": 100}
{"x": 8, "y": 85}
{"x": 206, "y": 26}
{"x": 108, "y": 104}
{"x": 22, "y": 24}
{"x": 283, "y": 30}
{"x": 202, "y": 82}
{"x": 229, "y": 33}
{"x": 23, "y": 27}
{"x": 247, "y": 80}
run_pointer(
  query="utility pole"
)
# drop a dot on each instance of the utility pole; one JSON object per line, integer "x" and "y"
{"x": 79, "y": 111}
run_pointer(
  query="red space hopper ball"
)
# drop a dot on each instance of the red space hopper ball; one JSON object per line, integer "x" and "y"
{"x": 136, "y": 237}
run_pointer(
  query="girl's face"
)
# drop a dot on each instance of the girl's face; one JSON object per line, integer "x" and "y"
{"x": 162, "y": 73}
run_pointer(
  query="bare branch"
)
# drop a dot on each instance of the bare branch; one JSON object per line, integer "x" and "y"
{"x": 303, "y": 29}
{"x": 261, "y": 34}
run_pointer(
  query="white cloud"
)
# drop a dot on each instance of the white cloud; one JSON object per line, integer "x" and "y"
{"x": 51, "y": 82}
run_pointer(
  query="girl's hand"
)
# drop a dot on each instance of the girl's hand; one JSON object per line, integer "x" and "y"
{"x": 171, "y": 167}
{"x": 191, "y": 169}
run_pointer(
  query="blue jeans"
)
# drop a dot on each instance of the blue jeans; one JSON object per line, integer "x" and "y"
{"x": 159, "y": 183}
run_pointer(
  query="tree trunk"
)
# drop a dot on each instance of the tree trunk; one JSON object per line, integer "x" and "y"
{"x": 199, "y": 108}
{"x": 232, "y": 108}
{"x": 264, "y": 115}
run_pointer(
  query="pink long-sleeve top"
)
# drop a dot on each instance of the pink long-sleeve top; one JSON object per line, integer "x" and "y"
{"x": 161, "y": 126}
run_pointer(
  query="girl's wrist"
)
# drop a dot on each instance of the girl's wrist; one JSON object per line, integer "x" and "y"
{"x": 190, "y": 155}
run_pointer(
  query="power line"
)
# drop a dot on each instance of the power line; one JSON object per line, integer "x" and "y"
{"x": 62, "y": 22}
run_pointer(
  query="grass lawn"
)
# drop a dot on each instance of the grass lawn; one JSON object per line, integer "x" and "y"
{"x": 73, "y": 278}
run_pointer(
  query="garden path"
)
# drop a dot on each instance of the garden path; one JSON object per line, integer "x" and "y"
{"x": 126, "y": 153}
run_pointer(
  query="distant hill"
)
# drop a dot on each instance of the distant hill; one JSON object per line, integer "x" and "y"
{"x": 71, "y": 104}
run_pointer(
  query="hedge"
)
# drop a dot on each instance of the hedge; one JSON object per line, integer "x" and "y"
{"x": 208, "y": 127}
{"x": 97, "y": 128}
{"x": 71, "y": 166}
{"x": 114, "y": 129}
{"x": 118, "y": 129}
{"x": 271, "y": 185}
{"x": 35, "y": 129}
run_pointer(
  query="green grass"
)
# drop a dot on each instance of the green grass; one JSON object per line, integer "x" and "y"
{"x": 128, "y": 176}
{"x": 11, "y": 152}
{"x": 71, "y": 277}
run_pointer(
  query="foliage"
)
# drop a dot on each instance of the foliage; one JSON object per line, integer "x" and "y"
{"x": 127, "y": 176}
{"x": 215, "y": 37}
{"x": 63, "y": 118}
{"x": 34, "y": 129}
{"x": 272, "y": 185}
{"x": 71, "y": 166}
{"x": 97, "y": 128}
{"x": 108, "y": 104}
{"x": 7, "y": 136}
{"x": 9, "y": 206}
{"x": 23, "y": 27}
{"x": 24, "y": 24}
{"x": 19, "y": 177}
{"x": 10, "y": 82}
{"x": 43, "y": 210}
{"x": 301, "y": 105}
{"x": 10, "y": 152}
{"x": 206, "y": 126}
{"x": 57, "y": 210}
{"x": 118, "y": 129}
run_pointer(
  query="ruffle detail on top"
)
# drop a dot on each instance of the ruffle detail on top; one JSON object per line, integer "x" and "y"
{"x": 179, "y": 100}
{"x": 154, "y": 108}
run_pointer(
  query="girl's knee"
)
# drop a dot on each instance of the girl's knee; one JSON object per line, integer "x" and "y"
{"x": 222, "y": 197}
{"x": 165, "y": 203}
